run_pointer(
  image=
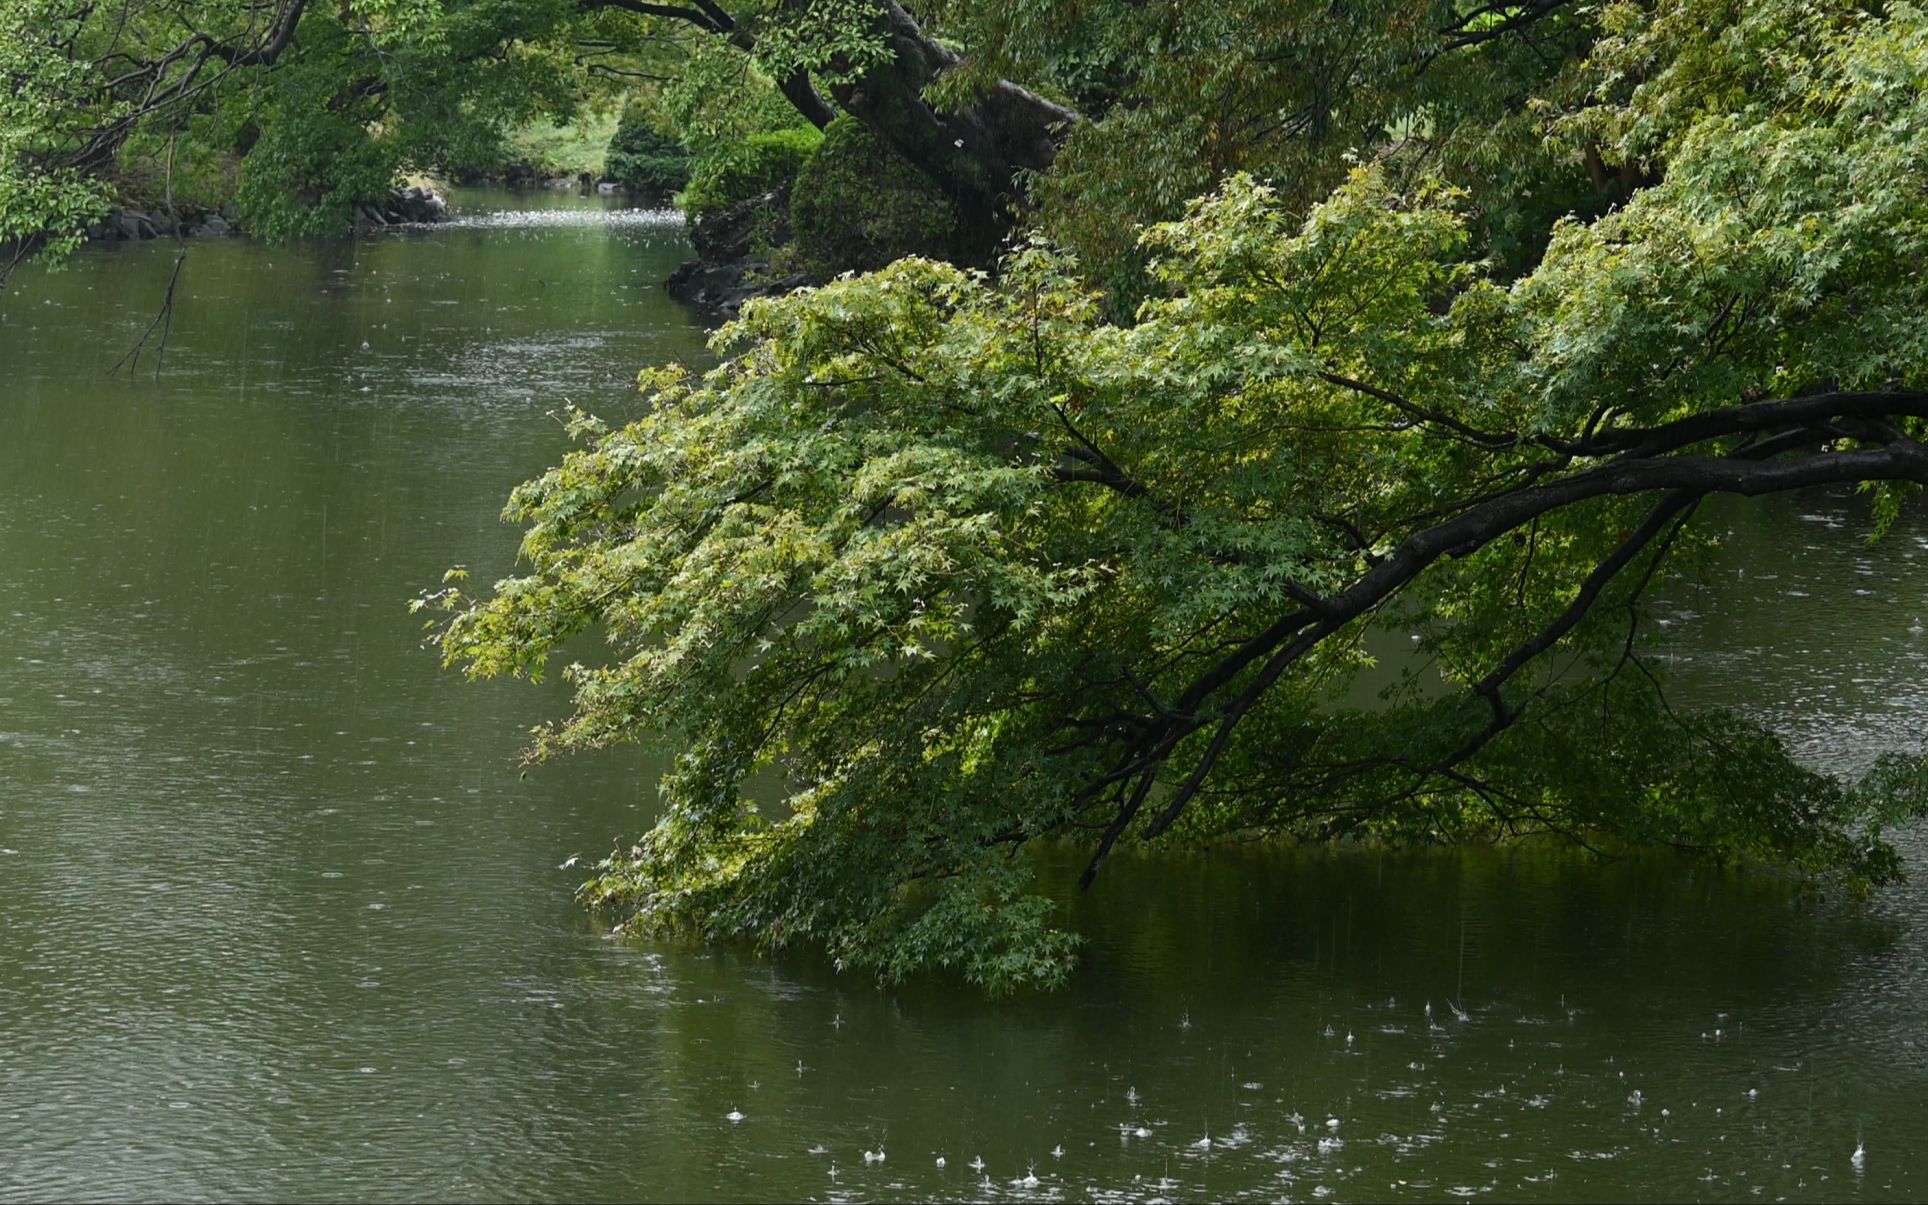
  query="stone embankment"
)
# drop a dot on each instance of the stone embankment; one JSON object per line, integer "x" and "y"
{"x": 406, "y": 206}
{"x": 733, "y": 263}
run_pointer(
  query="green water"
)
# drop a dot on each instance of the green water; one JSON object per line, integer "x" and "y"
{"x": 278, "y": 917}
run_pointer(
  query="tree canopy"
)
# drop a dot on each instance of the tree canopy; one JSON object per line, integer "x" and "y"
{"x": 963, "y": 563}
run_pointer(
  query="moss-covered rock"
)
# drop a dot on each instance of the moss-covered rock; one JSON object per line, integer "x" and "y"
{"x": 858, "y": 205}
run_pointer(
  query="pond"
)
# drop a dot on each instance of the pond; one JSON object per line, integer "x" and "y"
{"x": 279, "y": 918}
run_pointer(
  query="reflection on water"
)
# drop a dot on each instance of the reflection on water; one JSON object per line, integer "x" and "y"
{"x": 280, "y": 919}
{"x": 1828, "y": 631}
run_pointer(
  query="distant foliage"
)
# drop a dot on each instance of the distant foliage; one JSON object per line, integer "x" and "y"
{"x": 759, "y": 165}
{"x": 338, "y": 101}
{"x": 645, "y": 160}
{"x": 858, "y": 206}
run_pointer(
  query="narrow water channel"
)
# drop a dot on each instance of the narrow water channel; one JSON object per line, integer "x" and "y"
{"x": 279, "y": 918}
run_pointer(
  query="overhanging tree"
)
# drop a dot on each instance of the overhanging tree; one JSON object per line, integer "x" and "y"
{"x": 970, "y": 562}
{"x": 966, "y": 566}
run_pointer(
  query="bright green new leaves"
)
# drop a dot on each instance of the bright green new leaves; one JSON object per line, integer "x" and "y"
{"x": 1776, "y": 255}
{"x": 803, "y": 559}
{"x": 835, "y": 40}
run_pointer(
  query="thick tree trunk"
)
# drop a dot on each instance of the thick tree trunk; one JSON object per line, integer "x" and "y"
{"x": 976, "y": 154}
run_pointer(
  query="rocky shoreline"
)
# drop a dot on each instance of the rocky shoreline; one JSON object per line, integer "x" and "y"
{"x": 406, "y": 206}
{"x": 734, "y": 263}
{"x": 132, "y": 225}
{"x": 532, "y": 176}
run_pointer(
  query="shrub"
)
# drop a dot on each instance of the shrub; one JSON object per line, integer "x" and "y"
{"x": 645, "y": 160}
{"x": 760, "y": 164}
{"x": 202, "y": 171}
{"x": 306, "y": 177}
{"x": 858, "y": 205}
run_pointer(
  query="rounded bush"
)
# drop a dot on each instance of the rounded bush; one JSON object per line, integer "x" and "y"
{"x": 644, "y": 160}
{"x": 760, "y": 164}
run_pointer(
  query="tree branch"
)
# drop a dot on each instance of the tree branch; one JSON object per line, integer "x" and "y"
{"x": 1747, "y": 471}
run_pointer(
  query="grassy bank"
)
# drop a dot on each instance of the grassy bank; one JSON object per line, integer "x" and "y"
{"x": 563, "y": 149}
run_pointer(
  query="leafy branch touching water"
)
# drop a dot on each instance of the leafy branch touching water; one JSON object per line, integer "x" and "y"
{"x": 962, "y": 565}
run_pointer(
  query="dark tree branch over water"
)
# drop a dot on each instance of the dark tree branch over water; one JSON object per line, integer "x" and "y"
{"x": 1802, "y": 423}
